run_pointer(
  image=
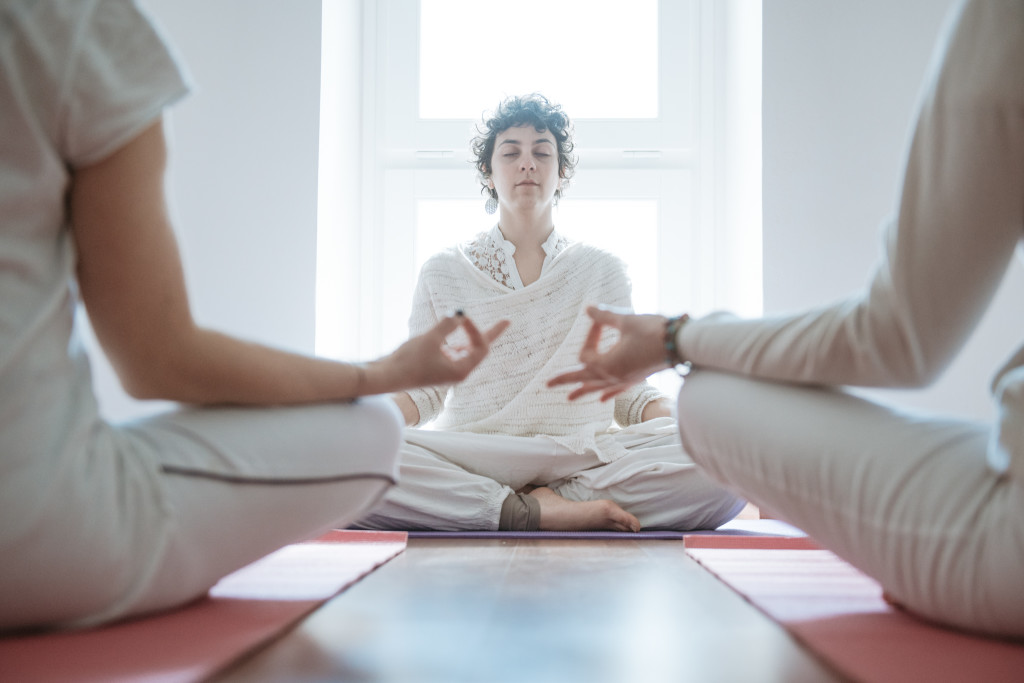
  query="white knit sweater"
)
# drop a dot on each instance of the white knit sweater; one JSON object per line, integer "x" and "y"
{"x": 506, "y": 394}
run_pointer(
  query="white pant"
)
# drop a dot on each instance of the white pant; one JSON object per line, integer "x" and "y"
{"x": 151, "y": 515}
{"x": 458, "y": 480}
{"x": 910, "y": 501}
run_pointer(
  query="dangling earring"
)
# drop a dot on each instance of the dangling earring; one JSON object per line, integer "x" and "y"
{"x": 491, "y": 205}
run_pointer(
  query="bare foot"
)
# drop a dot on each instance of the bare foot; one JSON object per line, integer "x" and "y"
{"x": 559, "y": 514}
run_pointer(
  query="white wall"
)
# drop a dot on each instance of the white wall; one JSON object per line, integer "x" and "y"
{"x": 840, "y": 84}
{"x": 243, "y": 175}
{"x": 840, "y": 81}
{"x": 342, "y": 132}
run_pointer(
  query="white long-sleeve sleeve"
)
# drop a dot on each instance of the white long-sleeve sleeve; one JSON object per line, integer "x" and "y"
{"x": 960, "y": 214}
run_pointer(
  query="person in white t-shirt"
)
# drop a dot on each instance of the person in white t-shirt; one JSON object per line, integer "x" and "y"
{"x": 103, "y": 521}
{"x": 931, "y": 507}
{"x": 502, "y": 450}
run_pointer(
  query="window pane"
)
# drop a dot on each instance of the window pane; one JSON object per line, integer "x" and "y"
{"x": 594, "y": 57}
{"x": 626, "y": 228}
{"x": 443, "y": 223}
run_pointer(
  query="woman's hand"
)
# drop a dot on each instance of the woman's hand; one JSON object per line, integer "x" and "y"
{"x": 428, "y": 360}
{"x": 639, "y": 352}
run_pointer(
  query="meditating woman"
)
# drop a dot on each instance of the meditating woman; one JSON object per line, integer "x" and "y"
{"x": 505, "y": 451}
{"x": 931, "y": 507}
{"x": 101, "y": 521}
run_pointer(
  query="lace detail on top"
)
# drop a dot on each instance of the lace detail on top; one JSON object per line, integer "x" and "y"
{"x": 493, "y": 254}
{"x": 490, "y": 256}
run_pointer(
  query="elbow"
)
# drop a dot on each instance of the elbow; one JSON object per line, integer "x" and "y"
{"x": 918, "y": 376}
{"x": 148, "y": 377}
{"x": 162, "y": 367}
{"x": 144, "y": 385}
{"x": 926, "y": 358}
{"x": 136, "y": 390}
{"x": 913, "y": 368}
{"x": 894, "y": 352}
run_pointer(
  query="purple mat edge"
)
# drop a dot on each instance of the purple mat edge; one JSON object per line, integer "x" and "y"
{"x": 595, "y": 535}
{"x": 760, "y": 527}
{"x": 592, "y": 535}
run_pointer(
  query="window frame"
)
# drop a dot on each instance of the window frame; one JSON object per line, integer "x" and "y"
{"x": 689, "y": 138}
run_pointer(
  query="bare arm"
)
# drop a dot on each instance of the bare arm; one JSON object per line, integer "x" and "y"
{"x": 131, "y": 280}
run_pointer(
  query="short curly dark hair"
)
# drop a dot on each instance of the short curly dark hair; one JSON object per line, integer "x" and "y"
{"x": 533, "y": 109}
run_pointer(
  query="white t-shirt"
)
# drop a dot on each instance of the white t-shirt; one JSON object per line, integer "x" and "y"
{"x": 78, "y": 80}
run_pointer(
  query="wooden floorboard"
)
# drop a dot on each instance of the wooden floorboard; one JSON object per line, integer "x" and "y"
{"x": 483, "y": 611}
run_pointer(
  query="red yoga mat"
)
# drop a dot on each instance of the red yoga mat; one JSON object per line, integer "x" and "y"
{"x": 838, "y": 613}
{"x": 245, "y": 610}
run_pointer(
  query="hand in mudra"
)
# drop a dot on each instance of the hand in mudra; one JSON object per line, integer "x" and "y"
{"x": 639, "y": 352}
{"x": 429, "y": 360}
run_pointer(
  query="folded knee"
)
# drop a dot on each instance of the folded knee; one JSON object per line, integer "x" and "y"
{"x": 705, "y": 401}
{"x": 364, "y": 436}
{"x": 382, "y": 417}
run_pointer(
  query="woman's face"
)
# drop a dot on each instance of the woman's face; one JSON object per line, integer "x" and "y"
{"x": 524, "y": 168}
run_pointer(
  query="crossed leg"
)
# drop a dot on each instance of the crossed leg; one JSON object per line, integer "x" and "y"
{"x": 911, "y": 501}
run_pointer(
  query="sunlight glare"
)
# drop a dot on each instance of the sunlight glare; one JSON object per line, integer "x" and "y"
{"x": 473, "y": 52}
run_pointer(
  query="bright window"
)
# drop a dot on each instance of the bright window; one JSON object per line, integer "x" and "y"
{"x": 506, "y": 40}
{"x": 665, "y": 97}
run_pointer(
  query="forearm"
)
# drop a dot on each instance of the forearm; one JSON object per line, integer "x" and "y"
{"x": 201, "y": 366}
{"x": 207, "y": 367}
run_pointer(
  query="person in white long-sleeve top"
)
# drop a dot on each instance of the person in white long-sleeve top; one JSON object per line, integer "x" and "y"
{"x": 932, "y": 508}
{"x": 503, "y": 450}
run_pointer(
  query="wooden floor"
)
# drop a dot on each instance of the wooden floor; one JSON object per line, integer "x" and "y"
{"x": 485, "y": 611}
